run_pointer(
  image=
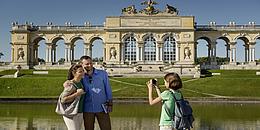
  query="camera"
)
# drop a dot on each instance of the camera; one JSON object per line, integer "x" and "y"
{"x": 154, "y": 81}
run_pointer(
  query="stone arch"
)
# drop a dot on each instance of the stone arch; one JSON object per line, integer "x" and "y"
{"x": 92, "y": 47}
{"x": 128, "y": 47}
{"x": 242, "y": 52}
{"x": 204, "y": 38}
{"x": 149, "y": 34}
{"x": 92, "y": 38}
{"x": 130, "y": 34}
{"x": 37, "y": 39}
{"x": 208, "y": 54}
{"x": 223, "y": 51}
{"x": 226, "y": 39}
{"x": 243, "y": 37}
{"x": 174, "y": 35}
{"x": 75, "y": 38}
{"x": 256, "y": 37}
{"x": 56, "y": 39}
{"x": 38, "y": 53}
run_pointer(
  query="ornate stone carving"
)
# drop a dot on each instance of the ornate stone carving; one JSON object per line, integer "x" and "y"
{"x": 113, "y": 53}
{"x": 149, "y": 10}
{"x": 171, "y": 9}
{"x": 20, "y": 54}
{"x": 20, "y": 37}
{"x": 129, "y": 10}
{"x": 187, "y": 53}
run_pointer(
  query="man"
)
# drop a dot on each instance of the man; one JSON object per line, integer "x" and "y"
{"x": 98, "y": 98}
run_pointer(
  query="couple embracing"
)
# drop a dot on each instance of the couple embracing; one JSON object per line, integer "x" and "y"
{"x": 90, "y": 89}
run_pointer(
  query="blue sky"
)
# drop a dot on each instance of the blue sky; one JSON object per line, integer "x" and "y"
{"x": 78, "y": 11}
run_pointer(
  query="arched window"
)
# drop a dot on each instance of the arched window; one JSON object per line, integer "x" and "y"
{"x": 169, "y": 50}
{"x": 149, "y": 49}
{"x": 130, "y": 49}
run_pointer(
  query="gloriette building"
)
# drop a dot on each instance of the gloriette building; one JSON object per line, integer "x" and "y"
{"x": 146, "y": 39}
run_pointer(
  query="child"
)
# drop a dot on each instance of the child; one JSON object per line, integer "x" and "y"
{"x": 173, "y": 83}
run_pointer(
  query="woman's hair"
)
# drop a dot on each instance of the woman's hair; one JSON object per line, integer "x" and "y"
{"x": 72, "y": 71}
{"x": 174, "y": 80}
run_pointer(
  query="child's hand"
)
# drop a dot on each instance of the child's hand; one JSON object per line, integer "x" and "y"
{"x": 149, "y": 84}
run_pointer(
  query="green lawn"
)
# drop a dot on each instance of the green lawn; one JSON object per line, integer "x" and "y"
{"x": 240, "y": 83}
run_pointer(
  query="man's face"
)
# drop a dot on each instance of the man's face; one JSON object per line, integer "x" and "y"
{"x": 87, "y": 64}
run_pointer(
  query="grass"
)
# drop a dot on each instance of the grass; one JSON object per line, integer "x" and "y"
{"x": 233, "y": 83}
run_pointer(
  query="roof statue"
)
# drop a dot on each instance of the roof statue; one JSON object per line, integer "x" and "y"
{"x": 171, "y": 9}
{"x": 150, "y": 9}
{"x": 129, "y": 10}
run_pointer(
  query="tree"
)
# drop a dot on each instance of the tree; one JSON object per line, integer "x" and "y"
{"x": 61, "y": 60}
{"x": 1, "y": 54}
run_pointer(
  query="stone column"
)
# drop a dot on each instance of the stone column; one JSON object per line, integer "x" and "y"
{"x": 36, "y": 55}
{"x": 87, "y": 49}
{"x": 67, "y": 53}
{"x": 31, "y": 54}
{"x": 209, "y": 52}
{"x": 122, "y": 59}
{"x": 232, "y": 53}
{"x": 159, "y": 51}
{"x": 54, "y": 52}
{"x": 213, "y": 53}
{"x": 13, "y": 53}
{"x": 137, "y": 53}
{"x": 235, "y": 55}
{"x": 178, "y": 53}
{"x": 249, "y": 55}
{"x": 72, "y": 52}
{"x": 141, "y": 51}
{"x": 195, "y": 51}
{"x": 48, "y": 52}
{"x": 227, "y": 50}
{"x": 252, "y": 53}
{"x": 90, "y": 50}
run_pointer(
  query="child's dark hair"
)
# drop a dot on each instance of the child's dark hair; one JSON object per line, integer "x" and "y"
{"x": 174, "y": 80}
{"x": 73, "y": 69}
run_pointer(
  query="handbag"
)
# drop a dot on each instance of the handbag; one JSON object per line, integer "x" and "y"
{"x": 67, "y": 109}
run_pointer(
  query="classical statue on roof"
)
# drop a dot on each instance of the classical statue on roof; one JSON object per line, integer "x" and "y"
{"x": 170, "y": 9}
{"x": 150, "y": 9}
{"x": 129, "y": 10}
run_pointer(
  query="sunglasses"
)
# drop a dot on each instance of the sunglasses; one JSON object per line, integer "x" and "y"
{"x": 90, "y": 79}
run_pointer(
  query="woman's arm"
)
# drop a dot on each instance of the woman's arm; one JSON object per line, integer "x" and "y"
{"x": 150, "y": 94}
{"x": 69, "y": 98}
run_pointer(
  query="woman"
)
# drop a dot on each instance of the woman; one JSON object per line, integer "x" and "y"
{"x": 74, "y": 89}
{"x": 173, "y": 83}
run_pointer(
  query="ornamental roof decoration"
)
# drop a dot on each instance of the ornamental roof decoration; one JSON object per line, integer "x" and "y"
{"x": 150, "y": 9}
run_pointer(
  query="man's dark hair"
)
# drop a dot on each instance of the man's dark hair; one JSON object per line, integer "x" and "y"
{"x": 84, "y": 58}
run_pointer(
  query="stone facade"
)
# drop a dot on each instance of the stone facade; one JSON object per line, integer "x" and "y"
{"x": 146, "y": 38}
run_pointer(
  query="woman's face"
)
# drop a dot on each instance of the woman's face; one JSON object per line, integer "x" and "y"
{"x": 79, "y": 73}
{"x": 166, "y": 83}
